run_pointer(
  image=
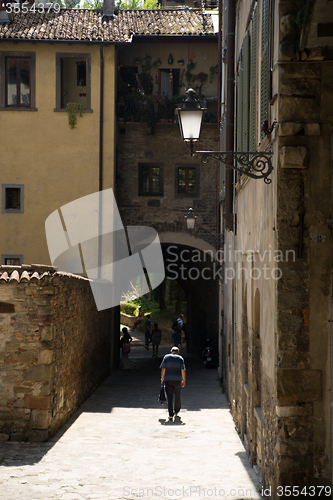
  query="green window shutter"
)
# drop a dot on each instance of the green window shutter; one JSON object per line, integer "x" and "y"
{"x": 253, "y": 83}
{"x": 246, "y": 92}
{"x": 240, "y": 110}
{"x": 264, "y": 69}
{"x": 240, "y": 105}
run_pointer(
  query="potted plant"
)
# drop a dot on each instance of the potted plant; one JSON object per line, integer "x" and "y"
{"x": 73, "y": 109}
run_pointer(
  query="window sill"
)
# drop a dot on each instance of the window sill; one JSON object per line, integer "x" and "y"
{"x": 64, "y": 110}
{"x": 19, "y": 108}
{"x": 151, "y": 194}
{"x": 13, "y": 211}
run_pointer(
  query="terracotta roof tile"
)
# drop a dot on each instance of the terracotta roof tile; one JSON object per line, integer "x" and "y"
{"x": 89, "y": 25}
{"x": 33, "y": 272}
{"x": 26, "y": 272}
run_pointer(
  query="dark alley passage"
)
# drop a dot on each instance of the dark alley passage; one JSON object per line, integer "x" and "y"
{"x": 119, "y": 445}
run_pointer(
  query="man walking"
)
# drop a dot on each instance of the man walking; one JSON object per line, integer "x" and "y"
{"x": 173, "y": 375}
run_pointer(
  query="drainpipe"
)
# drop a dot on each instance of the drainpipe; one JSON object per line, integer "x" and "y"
{"x": 100, "y": 166}
{"x": 101, "y": 109}
{"x": 218, "y": 224}
{"x": 230, "y": 112}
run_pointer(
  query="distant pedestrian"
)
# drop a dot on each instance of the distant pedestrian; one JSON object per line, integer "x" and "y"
{"x": 156, "y": 339}
{"x": 173, "y": 374}
{"x": 125, "y": 341}
{"x": 178, "y": 330}
{"x": 147, "y": 332}
{"x": 140, "y": 317}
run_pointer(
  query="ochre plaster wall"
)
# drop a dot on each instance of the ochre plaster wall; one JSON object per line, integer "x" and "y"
{"x": 55, "y": 163}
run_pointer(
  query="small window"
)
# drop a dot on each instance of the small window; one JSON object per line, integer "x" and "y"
{"x": 18, "y": 81}
{"x": 11, "y": 260}
{"x": 17, "y": 73}
{"x": 12, "y": 198}
{"x": 72, "y": 80}
{"x": 186, "y": 180}
{"x": 150, "y": 180}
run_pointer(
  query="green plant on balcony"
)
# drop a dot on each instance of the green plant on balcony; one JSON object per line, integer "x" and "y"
{"x": 202, "y": 78}
{"x": 190, "y": 78}
{"x": 73, "y": 109}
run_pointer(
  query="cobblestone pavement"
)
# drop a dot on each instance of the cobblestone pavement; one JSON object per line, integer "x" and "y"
{"x": 119, "y": 445}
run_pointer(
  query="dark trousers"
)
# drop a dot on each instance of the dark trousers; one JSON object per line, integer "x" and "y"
{"x": 148, "y": 338}
{"x": 173, "y": 389}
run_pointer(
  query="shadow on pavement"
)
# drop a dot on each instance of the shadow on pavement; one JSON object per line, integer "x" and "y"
{"x": 135, "y": 388}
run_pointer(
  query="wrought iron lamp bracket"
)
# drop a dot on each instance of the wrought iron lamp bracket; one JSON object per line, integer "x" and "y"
{"x": 254, "y": 164}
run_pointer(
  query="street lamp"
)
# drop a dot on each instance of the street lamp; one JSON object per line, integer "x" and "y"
{"x": 190, "y": 223}
{"x": 190, "y": 219}
{"x": 254, "y": 164}
{"x": 190, "y": 119}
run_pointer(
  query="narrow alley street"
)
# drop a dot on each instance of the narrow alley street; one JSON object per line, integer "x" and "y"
{"x": 119, "y": 445}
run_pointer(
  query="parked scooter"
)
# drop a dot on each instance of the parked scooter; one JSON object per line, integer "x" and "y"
{"x": 207, "y": 354}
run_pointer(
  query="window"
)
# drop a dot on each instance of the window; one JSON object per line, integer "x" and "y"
{"x": 265, "y": 74}
{"x": 243, "y": 98}
{"x": 72, "y": 80}
{"x": 12, "y": 198}
{"x": 150, "y": 180}
{"x": 168, "y": 82}
{"x": 253, "y": 83}
{"x": 246, "y": 91}
{"x": 17, "y": 81}
{"x": 11, "y": 260}
{"x": 187, "y": 182}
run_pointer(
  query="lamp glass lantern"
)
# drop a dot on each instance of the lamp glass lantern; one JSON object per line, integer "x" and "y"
{"x": 190, "y": 118}
{"x": 190, "y": 219}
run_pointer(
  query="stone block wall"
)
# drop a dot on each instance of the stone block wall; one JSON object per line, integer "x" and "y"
{"x": 54, "y": 350}
{"x": 165, "y": 148}
{"x": 295, "y": 381}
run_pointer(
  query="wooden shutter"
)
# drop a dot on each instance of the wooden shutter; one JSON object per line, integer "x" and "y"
{"x": 264, "y": 68}
{"x": 240, "y": 109}
{"x": 253, "y": 83}
{"x": 240, "y": 104}
{"x": 246, "y": 92}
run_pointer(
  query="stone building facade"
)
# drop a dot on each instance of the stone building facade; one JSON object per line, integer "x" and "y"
{"x": 55, "y": 349}
{"x": 166, "y": 212}
{"x": 276, "y": 351}
{"x": 157, "y": 180}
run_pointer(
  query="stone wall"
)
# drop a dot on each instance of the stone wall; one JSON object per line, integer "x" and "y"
{"x": 165, "y": 148}
{"x": 166, "y": 213}
{"x": 304, "y": 291}
{"x": 292, "y": 214}
{"x": 55, "y": 349}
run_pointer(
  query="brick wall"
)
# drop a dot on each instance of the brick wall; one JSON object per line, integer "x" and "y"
{"x": 55, "y": 349}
